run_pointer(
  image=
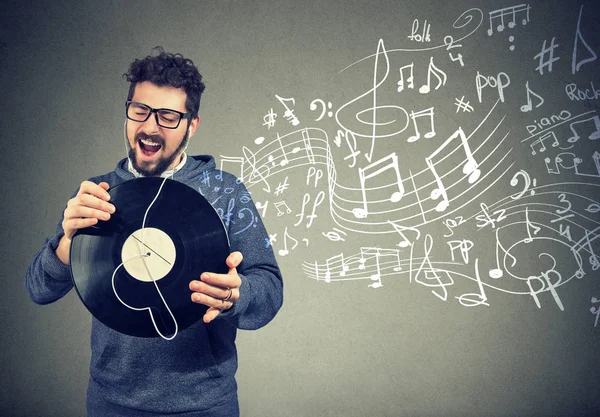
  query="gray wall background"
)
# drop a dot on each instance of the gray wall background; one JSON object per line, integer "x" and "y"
{"x": 338, "y": 348}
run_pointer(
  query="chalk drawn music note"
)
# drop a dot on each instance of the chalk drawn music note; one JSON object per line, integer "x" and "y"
{"x": 529, "y": 106}
{"x": 552, "y": 169}
{"x": 540, "y": 141}
{"x": 279, "y": 205}
{"x": 233, "y": 159}
{"x": 289, "y": 113}
{"x": 578, "y": 161}
{"x": 507, "y": 11}
{"x": 367, "y": 253}
{"x": 470, "y": 168}
{"x": 263, "y": 207}
{"x": 474, "y": 299}
{"x": 373, "y": 170}
{"x": 285, "y": 251}
{"x": 530, "y": 226}
{"x": 334, "y": 260}
{"x": 284, "y": 160}
{"x": 498, "y": 272}
{"x": 401, "y": 229}
{"x": 575, "y": 64}
{"x": 379, "y": 253}
{"x": 409, "y": 79}
{"x": 437, "y": 73}
{"x": 307, "y": 147}
{"x": 423, "y": 113}
{"x": 593, "y": 136}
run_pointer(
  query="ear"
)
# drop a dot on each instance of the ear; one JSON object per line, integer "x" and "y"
{"x": 195, "y": 121}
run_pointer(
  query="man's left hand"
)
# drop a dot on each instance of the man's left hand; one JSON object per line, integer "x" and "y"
{"x": 218, "y": 291}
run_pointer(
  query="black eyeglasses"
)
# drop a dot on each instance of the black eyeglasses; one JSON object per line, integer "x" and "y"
{"x": 167, "y": 118}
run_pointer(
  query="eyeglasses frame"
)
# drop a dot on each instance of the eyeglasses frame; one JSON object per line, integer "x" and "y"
{"x": 155, "y": 111}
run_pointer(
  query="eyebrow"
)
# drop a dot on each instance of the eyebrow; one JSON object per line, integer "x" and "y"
{"x": 158, "y": 108}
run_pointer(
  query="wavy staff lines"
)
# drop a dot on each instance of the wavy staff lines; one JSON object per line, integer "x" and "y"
{"x": 507, "y": 214}
{"x": 251, "y": 173}
{"x": 500, "y": 203}
{"x": 426, "y": 170}
{"x": 334, "y": 195}
{"x": 314, "y": 272}
{"x": 571, "y": 211}
{"x": 425, "y": 221}
{"x": 422, "y": 214}
{"x": 468, "y": 17}
{"x": 268, "y": 157}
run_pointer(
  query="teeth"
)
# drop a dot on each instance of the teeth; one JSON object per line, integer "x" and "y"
{"x": 149, "y": 143}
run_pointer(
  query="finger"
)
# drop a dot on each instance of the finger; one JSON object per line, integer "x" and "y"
{"x": 86, "y": 213}
{"x": 216, "y": 292}
{"x": 104, "y": 185}
{"x": 70, "y": 226}
{"x": 209, "y": 301}
{"x": 230, "y": 280}
{"x": 88, "y": 200}
{"x": 234, "y": 259}
{"x": 211, "y": 314}
{"x": 88, "y": 187}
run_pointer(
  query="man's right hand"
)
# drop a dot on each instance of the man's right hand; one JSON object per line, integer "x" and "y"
{"x": 84, "y": 210}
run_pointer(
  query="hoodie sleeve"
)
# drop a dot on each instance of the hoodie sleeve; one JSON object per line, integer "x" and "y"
{"x": 47, "y": 279}
{"x": 261, "y": 292}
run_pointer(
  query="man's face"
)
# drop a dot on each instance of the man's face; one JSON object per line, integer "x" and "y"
{"x": 154, "y": 149}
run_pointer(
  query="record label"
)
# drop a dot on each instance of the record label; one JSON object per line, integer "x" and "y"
{"x": 132, "y": 278}
{"x": 148, "y": 254}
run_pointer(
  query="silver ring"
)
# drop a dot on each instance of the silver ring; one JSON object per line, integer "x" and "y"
{"x": 228, "y": 295}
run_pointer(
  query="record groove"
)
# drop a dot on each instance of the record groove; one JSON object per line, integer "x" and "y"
{"x": 184, "y": 236}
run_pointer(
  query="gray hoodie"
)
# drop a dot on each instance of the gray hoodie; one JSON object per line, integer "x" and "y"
{"x": 193, "y": 374}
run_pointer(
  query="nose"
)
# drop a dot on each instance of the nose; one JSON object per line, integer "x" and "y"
{"x": 150, "y": 126}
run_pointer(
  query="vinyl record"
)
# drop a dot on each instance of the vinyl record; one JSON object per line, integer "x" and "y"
{"x": 183, "y": 236}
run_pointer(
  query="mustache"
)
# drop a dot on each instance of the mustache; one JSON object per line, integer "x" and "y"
{"x": 153, "y": 138}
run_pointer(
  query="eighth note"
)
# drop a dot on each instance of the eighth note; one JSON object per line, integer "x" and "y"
{"x": 437, "y": 73}
{"x": 529, "y": 106}
{"x": 409, "y": 79}
{"x": 373, "y": 170}
{"x": 593, "y": 136}
{"x": 423, "y": 113}
{"x": 470, "y": 168}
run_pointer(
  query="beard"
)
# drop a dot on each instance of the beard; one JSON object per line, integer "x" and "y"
{"x": 155, "y": 169}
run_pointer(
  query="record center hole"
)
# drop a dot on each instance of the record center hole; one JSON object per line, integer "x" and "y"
{"x": 151, "y": 260}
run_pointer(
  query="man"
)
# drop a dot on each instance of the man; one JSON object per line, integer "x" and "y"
{"x": 193, "y": 374}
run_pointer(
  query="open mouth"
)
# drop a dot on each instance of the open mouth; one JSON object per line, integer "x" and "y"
{"x": 148, "y": 147}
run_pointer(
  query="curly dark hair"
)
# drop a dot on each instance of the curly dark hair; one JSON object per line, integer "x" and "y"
{"x": 167, "y": 69}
